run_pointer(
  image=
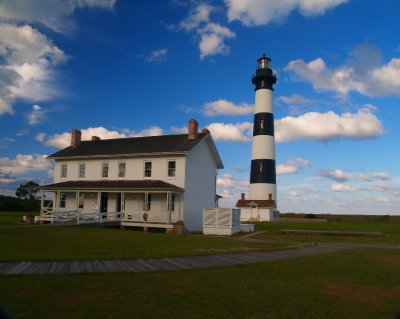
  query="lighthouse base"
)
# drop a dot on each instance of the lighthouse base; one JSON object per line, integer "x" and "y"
{"x": 252, "y": 214}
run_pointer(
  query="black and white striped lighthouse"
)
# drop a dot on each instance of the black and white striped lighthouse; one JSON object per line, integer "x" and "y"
{"x": 263, "y": 172}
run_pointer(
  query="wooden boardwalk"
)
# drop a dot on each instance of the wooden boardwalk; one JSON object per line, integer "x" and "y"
{"x": 161, "y": 264}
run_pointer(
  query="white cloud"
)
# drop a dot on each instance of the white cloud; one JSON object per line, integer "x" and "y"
{"x": 224, "y": 107}
{"x": 327, "y": 126}
{"x": 383, "y": 176}
{"x": 357, "y": 75}
{"x": 231, "y": 187}
{"x": 337, "y": 175}
{"x": 292, "y": 166}
{"x": 344, "y": 188}
{"x": 54, "y": 14}
{"x": 212, "y": 35}
{"x": 294, "y": 99}
{"x": 37, "y": 115}
{"x": 63, "y": 140}
{"x": 198, "y": 15}
{"x": 23, "y": 163}
{"x": 261, "y": 12}
{"x": 212, "y": 38}
{"x": 27, "y": 71}
{"x": 157, "y": 56}
{"x": 240, "y": 132}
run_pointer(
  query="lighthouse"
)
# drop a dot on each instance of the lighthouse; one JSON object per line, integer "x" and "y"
{"x": 262, "y": 201}
{"x": 263, "y": 174}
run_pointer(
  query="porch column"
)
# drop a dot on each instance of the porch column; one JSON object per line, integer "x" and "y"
{"x": 98, "y": 201}
{"x": 77, "y": 200}
{"x": 41, "y": 203}
{"x": 146, "y": 201}
{"x": 169, "y": 207}
{"x": 58, "y": 197}
{"x": 122, "y": 202}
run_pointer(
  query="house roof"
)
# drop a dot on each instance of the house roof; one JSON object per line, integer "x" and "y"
{"x": 255, "y": 202}
{"x": 140, "y": 185}
{"x": 131, "y": 146}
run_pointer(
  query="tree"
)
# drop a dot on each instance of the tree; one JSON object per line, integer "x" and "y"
{"x": 29, "y": 190}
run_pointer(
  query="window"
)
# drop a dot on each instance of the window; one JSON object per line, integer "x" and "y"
{"x": 171, "y": 168}
{"x": 147, "y": 169}
{"x": 104, "y": 170}
{"x": 121, "y": 169}
{"x": 261, "y": 167}
{"x": 63, "y": 198}
{"x": 63, "y": 171}
{"x": 261, "y": 124}
{"x": 82, "y": 168}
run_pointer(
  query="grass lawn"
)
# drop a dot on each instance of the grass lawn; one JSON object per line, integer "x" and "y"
{"x": 360, "y": 283}
{"x": 357, "y": 283}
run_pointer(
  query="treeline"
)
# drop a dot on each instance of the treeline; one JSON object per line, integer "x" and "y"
{"x": 14, "y": 204}
{"x": 347, "y": 218}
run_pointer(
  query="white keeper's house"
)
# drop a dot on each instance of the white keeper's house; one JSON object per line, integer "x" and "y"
{"x": 152, "y": 181}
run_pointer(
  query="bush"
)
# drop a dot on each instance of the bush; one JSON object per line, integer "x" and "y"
{"x": 311, "y": 216}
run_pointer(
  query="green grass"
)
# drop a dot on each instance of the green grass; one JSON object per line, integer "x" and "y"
{"x": 35, "y": 242}
{"x": 360, "y": 283}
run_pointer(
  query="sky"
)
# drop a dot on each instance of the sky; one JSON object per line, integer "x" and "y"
{"x": 119, "y": 68}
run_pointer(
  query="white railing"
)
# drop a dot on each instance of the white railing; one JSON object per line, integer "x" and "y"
{"x": 76, "y": 215}
{"x": 157, "y": 217}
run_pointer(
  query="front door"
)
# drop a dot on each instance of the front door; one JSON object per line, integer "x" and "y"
{"x": 104, "y": 202}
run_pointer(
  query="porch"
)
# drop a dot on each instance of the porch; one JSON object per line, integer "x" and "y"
{"x": 141, "y": 207}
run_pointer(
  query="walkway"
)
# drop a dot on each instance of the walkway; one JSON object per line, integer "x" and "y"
{"x": 162, "y": 264}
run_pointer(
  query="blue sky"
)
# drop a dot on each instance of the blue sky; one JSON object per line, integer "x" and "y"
{"x": 117, "y": 68}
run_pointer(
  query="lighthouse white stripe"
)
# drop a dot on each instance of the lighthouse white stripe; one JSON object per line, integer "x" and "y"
{"x": 263, "y": 101}
{"x": 263, "y": 147}
{"x": 261, "y": 191}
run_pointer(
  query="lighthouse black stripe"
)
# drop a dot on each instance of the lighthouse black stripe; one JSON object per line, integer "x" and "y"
{"x": 263, "y": 124}
{"x": 263, "y": 171}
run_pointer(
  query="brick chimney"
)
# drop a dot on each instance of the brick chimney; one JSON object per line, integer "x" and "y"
{"x": 193, "y": 129}
{"x": 242, "y": 196}
{"x": 75, "y": 137}
{"x": 95, "y": 138}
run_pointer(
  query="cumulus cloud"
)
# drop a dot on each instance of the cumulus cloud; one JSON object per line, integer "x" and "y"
{"x": 240, "y": 132}
{"x": 63, "y": 140}
{"x": 328, "y": 126}
{"x": 27, "y": 70}
{"x": 344, "y": 188}
{"x": 224, "y": 107}
{"x": 292, "y": 166}
{"x": 261, "y": 12}
{"x": 53, "y": 14}
{"x": 23, "y": 163}
{"x": 362, "y": 73}
{"x": 212, "y": 35}
{"x": 230, "y": 187}
{"x": 383, "y": 176}
{"x": 212, "y": 39}
{"x": 337, "y": 175}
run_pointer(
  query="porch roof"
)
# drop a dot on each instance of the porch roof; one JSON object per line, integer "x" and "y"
{"x": 133, "y": 185}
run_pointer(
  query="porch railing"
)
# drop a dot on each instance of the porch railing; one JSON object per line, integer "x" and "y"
{"x": 80, "y": 218}
{"x": 138, "y": 216}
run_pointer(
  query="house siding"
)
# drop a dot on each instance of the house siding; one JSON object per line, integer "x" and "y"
{"x": 200, "y": 185}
